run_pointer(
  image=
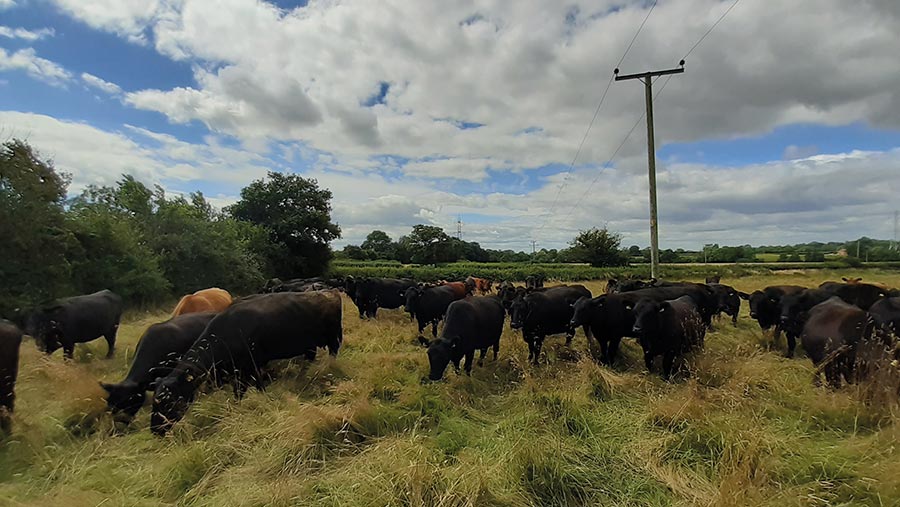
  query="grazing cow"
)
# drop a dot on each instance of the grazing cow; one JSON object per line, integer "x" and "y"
{"x": 728, "y": 299}
{"x": 206, "y": 300}
{"x": 77, "y": 319}
{"x": 534, "y": 281}
{"x": 546, "y": 312}
{"x": 471, "y": 324}
{"x": 241, "y": 340}
{"x": 375, "y": 293}
{"x": 157, "y": 352}
{"x": 862, "y": 295}
{"x": 667, "y": 328}
{"x": 429, "y": 304}
{"x": 10, "y": 339}
{"x": 830, "y": 336}
{"x": 713, "y": 279}
{"x": 765, "y": 308}
{"x": 610, "y": 318}
{"x": 886, "y": 315}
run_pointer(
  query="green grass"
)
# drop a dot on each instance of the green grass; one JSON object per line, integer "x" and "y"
{"x": 743, "y": 426}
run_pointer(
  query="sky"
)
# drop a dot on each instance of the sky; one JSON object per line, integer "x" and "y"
{"x": 784, "y": 127}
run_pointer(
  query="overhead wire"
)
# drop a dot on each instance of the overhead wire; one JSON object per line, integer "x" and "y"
{"x": 593, "y": 119}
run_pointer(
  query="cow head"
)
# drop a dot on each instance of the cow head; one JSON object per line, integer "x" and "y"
{"x": 171, "y": 399}
{"x": 761, "y": 304}
{"x": 585, "y": 309}
{"x": 412, "y": 294}
{"x": 45, "y": 326}
{"x": 518, "y": 312}
{"x": 124, "y": 400}
{"x": 440, "y": 352}
{"x": 647, "y": 316}
{"x": 612, "y": 285}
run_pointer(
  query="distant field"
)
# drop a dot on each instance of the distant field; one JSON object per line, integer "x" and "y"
{"x": 745, "y": 427}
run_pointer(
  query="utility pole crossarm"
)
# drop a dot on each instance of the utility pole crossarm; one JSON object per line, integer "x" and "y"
{"x": 643, "y": 75}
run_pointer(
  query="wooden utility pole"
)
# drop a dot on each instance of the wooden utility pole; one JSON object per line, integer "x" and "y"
{"x": 647, "y": 79}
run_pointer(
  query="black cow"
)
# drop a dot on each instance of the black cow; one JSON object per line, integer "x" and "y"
{"x": 534, "y": 281}
{"x": 10, "y": 339}
{"x": 765, "y": 308}
{"x": 241, "y": 340}
{"x": 429, "y": 304}
{"x": 375, "y": 293}
{"x": 862, "y": 295}
{"x": 886, "y": 315}
{"x": 77, "y": 319}
{"x": 610, "y": 318}
{"x": 614, "y": 286}
{"x": 157, "y": 352}
{"x": 713, "y": 279}
{"x": 831, "y": 334}
{"x": 471, "y": 324}
{"x": 668, "y": 329}
{"x": 728, "y": 299}
{"x": 546, "y": 312}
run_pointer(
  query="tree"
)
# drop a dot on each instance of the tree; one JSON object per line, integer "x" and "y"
{"x": 356, "y": 253}
{"x": 599, "y": 247}
{"x": 430, "y": 244}
{"x": 34, "y": 240}
{"x": 634, "y": 251}
{"x": 380, "y": 244}
{"x": 297, "y": 214}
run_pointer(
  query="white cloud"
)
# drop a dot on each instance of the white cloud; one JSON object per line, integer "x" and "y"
{"x": 7, "y": 4}
{"x": 24, "y": 34}
{"x": 101, "y": 84}
{"x": 792, "y": 152}
{"x": 128, "y": 18}
{"x": 35, "y": 66}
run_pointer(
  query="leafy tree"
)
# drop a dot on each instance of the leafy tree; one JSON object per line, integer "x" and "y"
{"x": 599, "y": 247}
{"x": 297, "y": 214}
{"x": 815, "y": 257}
{"x": 430, "y": 245}
{"x": 356, "y": 253}
{"x": 634, "y": 251}
{"x": 380, "y": 244}
{"x": 34, "y": 241}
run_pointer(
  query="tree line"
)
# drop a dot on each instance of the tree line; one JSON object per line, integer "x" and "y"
{"x": 146, "y": 245}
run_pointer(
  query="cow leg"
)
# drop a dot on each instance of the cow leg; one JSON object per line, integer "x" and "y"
{"x": 668, "y": 361}
{"x": 570, "y": 333}
{"x": 433, "y": 328}
{"x": 538, "y": 343}
{"x": 648, "y": 360}
{"x": 604, "y": 350}
{"x": 734, "y": 320}
{"x": 833, "y": 375}
{"x": 456, "y": 365}
{"x": 310, "y": 355}
{"x": 470, "y": 358}
{"x": 238, "y": 386}
{"x": 481, "y": 357}
{"x": 791, "y": 343}
{"x": 613, "y": 350}
{"x": 110, "y": 343}
{"x": 496, "y": 349}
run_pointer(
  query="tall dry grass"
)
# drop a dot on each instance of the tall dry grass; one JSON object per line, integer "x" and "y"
{"x": 740, "y": 426}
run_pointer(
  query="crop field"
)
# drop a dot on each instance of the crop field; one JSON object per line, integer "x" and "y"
{"x": 740, "y": 425}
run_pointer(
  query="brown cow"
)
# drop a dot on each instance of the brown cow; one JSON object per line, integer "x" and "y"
{"x": 854, "y": 281}
{"x": 206, "y": 300}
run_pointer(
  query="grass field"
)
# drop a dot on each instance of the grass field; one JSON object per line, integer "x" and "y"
{"x": 744, "y": 427}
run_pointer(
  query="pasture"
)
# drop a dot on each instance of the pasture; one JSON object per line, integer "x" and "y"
{"x": 743, "y": 426}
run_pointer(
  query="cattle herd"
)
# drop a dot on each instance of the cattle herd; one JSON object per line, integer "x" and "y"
{"x": 212, "y": 339}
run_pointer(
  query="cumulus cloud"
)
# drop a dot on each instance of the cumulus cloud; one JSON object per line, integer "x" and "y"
{"x": 128, "y": 18}
{"x": 35, "y": 66}
{"x": 100, "y": 84}
{"x": 7, "y": 4}
{"x": 24, "y": 34}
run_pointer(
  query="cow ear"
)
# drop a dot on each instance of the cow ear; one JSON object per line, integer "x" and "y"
{"x": 743, "y": 295}
{"x": 106, "y": 387}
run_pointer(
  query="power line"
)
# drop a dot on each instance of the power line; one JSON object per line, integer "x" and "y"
{"x": 593, "y": 119}
{"x": 641, "y": 118}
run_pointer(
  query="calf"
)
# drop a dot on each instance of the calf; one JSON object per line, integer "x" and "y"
{"x": 157, "y": 352}
{"x": 830, "y": 337}
{"x": 240, "y": 341}
{"x": 471, "y": 324}
{"x": 765, "y": 308}
{"x": 10, "y": 339}
{"x": 547, "y": 312}
{"x": 77, "y": 319}
{"x": 668, "y": 329}
{"x": 207, "y": 300}
{"x": 429, "y": 304}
